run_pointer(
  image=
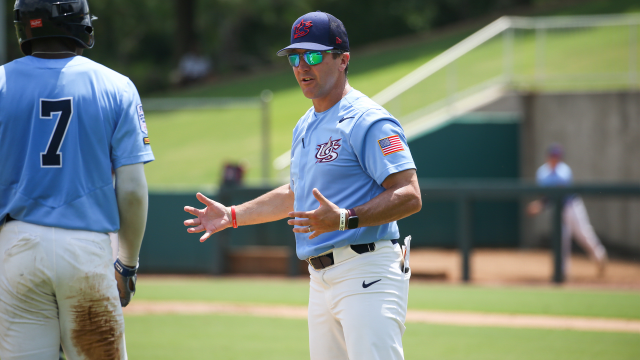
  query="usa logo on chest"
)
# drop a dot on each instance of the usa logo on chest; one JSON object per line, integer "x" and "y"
{"x": 327, "y": 152}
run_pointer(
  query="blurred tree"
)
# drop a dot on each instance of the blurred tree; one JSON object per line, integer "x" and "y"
{"x": 144, "y": 39}
{"x": 186, "y": 27}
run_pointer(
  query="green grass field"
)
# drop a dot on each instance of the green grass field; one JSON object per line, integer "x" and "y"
{"x": 191, "y": 146}
{"x": 243, "y": 337}
{"x": 246, "y": 337}
{"x": 514, "y": 300}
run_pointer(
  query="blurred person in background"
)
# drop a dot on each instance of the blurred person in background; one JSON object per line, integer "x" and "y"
{"x": 575, "y": 220}
{"x": 193, "y": 67}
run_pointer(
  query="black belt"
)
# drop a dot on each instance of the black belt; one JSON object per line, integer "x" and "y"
{"x": 324, "y": 261}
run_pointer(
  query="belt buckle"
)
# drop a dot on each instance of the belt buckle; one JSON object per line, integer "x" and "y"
{"x": 308, "y": 260}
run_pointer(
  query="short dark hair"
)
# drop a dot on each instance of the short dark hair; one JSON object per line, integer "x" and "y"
{"x": 335, "y": 56}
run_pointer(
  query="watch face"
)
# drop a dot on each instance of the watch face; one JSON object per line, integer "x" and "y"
{"x": 352, "y": 223}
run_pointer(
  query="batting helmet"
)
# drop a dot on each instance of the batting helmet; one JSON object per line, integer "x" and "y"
{"x": 37, "y": 19}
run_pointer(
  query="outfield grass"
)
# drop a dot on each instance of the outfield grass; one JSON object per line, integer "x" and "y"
{"x": 215, "y": 337}
{"x": 243, "y": 337}
{"x": 515, "y": 300}
{"x": 191, "y": 146}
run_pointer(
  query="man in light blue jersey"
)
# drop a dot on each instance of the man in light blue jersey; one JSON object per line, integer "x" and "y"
{"x": 575, "y": 220}
{"x": 352, "y": 177}
{"x": 65, "y": 123}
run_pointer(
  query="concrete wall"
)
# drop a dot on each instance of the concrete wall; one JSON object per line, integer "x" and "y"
{"x": 601, "y": 136}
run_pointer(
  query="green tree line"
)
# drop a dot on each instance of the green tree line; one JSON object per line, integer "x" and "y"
{"x": 144, "y": 39}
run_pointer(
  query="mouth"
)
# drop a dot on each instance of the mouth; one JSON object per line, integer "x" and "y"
{"x": 306, "y": 80}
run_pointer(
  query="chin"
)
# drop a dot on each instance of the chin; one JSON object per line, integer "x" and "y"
{"x": 309, "y": 94}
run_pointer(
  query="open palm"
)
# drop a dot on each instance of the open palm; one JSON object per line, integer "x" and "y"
{"x": 211, "y": 219}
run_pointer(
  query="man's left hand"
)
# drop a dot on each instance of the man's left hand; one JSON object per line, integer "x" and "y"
{"x": 324, "y": 219}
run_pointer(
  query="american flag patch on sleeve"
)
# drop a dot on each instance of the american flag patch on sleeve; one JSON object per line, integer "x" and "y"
{"x": 390, "y": 144}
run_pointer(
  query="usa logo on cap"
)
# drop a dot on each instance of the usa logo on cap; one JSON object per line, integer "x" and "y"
{"x": 317, "y": 31}
{"x": 302, "y": 28}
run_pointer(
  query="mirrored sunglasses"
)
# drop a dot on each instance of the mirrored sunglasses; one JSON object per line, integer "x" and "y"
{"x": 311, "y": 57}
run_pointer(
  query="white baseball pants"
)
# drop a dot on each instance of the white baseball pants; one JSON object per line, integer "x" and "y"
{"x": 58, "y": 286}
{"x": 575, "y": 222}
{"x": 357, "y": 308}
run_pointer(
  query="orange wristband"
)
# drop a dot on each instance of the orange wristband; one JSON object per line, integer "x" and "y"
{"x": 234, "y": 221}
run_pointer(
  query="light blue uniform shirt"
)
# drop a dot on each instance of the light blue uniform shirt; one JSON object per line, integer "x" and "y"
{"x": 64, "y": 125}
{"x": 560, "y": 176}
{"x": 346, "y": 153}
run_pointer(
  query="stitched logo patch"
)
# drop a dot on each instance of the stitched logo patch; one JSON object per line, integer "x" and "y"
{"x": 390, "y": 144}
{"x": 327, "y": 152}
{"x": 143, "y": 123}
{"x": 302, "y": 29}
{"x": 36, "y": 23}
{"x": 146, "y": 141}
{"x": 338, "y": 41}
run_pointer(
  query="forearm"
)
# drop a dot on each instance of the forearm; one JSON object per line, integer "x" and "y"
{"x": 391, "y": 205}
{"x": 396, "y": 202}
{"x": 272, "y": 206}
{"x": 132, "y": 197}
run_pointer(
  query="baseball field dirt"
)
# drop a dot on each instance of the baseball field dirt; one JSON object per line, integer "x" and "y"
{"x": 520, "y": 267}
{"x": 416, "y": 316}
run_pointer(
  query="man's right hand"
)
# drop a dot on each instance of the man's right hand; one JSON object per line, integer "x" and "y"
{"x": 212, "y": 218}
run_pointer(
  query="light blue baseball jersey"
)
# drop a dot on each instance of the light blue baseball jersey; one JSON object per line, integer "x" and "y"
{"x": 64, "y": 125}
{"x": 560, "y": 176}
{"x": 346, "y": 153}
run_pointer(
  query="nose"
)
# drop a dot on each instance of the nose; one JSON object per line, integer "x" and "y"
{"x": 303, "y": 65}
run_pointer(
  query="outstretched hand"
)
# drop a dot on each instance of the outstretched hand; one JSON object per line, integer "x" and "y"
{"x": 324, "y": 219}
{"x": 212, "y": 218}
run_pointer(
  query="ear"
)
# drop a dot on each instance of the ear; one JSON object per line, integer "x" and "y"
{"x": 344, "y": 61}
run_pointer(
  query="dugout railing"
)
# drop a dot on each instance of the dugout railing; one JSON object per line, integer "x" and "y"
{"x": 466, "y": 192}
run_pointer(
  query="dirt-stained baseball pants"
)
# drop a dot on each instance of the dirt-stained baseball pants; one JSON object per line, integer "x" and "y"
{"x": 58, "y": 286}
{"x": 357, "y": 308}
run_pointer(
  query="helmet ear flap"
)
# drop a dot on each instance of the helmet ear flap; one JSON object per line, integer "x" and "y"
{"x": 25, "y": 47}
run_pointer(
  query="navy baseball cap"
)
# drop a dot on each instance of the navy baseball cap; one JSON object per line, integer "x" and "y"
{"x": 317, "y": 31}
{"x": 555, "y": 150}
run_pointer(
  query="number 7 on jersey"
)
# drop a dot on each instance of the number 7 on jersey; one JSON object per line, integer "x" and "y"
{"x": 52, "y": 157}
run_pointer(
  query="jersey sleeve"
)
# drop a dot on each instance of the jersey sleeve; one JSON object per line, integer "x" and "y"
{"x": 381, "y": 147}
{"x": 130, "y": 141}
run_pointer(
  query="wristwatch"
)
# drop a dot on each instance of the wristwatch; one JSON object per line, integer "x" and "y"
{"x": 352, "y": 220}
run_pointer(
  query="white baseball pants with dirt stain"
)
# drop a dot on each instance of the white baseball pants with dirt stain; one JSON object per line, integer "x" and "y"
{"x": 57, "y": 286}
{"x": 576, "y": 224}
{"x": 358, "y": 307}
